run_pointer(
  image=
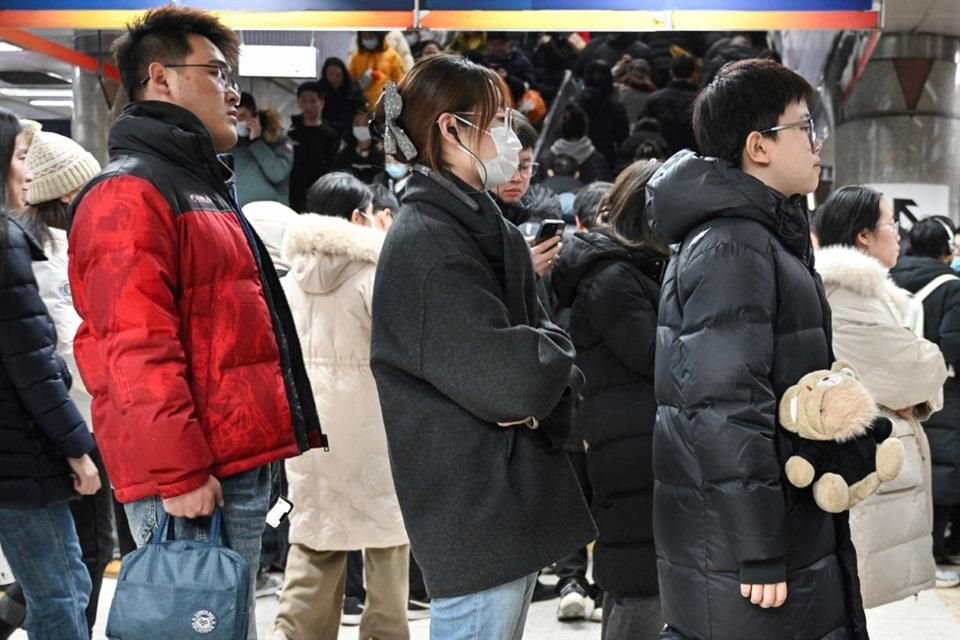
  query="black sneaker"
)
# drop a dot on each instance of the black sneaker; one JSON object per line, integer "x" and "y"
{"x": 352, "y": 612}
{"x": 573, "y": 602}
{"x": 418, "y": 609}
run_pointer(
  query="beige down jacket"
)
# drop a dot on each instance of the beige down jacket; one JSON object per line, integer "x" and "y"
{"x": 891, "y": 529}
{"x": 343, "y": 499}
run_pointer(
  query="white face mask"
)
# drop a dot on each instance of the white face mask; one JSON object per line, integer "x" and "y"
{"x": 497, "y": 171}
{"x": 243, "y": 130}
{"x": 362, "y": 134}
{"x": 369, "y": 43}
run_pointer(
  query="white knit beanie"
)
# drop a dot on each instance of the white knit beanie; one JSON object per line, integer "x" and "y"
{"x": 59, "y": 166}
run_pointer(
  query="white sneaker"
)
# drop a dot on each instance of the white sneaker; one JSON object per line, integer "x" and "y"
{"x": 573, "y": 603}
{"x": 947, "y": 579}
{"x": 597, "y": 614}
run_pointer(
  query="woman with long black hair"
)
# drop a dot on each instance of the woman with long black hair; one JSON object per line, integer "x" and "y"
{"x": 43, "y": 438}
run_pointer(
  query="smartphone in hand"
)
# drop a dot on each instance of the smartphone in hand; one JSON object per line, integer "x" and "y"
{"x": 549, "y": 229}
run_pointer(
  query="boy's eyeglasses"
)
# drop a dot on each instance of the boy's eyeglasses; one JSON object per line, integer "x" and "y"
{"x": 807, "y": 124}
{"x": 529, "y": 169}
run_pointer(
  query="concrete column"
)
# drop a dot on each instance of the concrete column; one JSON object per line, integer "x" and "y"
{"x": 93, "y": 96}
{"x": 901, "y": 124}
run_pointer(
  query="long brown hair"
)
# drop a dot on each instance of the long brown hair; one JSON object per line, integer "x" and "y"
{"x": 444, "y": 84}
{"x": 625, "y": 207}
{"x": 37, "y": 219}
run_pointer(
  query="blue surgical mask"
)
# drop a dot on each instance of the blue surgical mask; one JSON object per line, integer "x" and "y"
{"x": 955, "y": 265}
{"x": 242, "y": 130}
{"x": 396, "y": 170}
{"x": 369, "y": 43}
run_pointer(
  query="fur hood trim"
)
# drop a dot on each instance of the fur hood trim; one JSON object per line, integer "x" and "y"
{"x": 864, "y": 275}
{"x": 334, "y": 237}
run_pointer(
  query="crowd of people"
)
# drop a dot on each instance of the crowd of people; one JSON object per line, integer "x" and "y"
{"x": 489, "y": 306}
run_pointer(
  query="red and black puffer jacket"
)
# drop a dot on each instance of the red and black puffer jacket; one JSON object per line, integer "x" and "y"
{"x": 187, "y": 342}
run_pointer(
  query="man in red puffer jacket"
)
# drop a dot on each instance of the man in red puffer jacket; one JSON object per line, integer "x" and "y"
{"x": 187, "y": 343}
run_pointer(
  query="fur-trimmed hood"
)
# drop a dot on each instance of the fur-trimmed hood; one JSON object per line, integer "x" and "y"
{"x": 324, "y": 251}
{"x": 852, "y": 269}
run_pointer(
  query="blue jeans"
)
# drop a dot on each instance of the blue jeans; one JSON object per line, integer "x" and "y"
{"x": 42, "y": 548}
{"x": 246, "y": 499}
{"x": 499, "y": 613}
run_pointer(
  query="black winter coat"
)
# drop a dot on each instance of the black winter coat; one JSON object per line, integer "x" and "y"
{"x": 672, "y": 106}
{"x": 460, "y": 343}
{"x": 941, "y": 318}
{"x": 609, "y": 125}
{"x": 39, "y": 425}
{"x": 612, "y": 293}
{"x": 742, "y": 317}
{"x": 314, "y": 149}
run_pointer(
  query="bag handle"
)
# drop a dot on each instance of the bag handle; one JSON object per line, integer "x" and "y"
{"x": 216, "y": 535}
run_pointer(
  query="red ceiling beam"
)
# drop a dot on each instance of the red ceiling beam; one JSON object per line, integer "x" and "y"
{"x": 27, "y": 40}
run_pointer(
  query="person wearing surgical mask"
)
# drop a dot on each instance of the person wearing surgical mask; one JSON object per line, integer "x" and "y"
{"x": 263, "y": 157}
{"x": 374, "y": 64}
{"x": 359, "y": 154}
{"x": 395, "y": 176}
{"x": 476, "y": 385}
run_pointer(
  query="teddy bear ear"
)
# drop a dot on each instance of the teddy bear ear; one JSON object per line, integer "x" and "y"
{"x": 845, "y": 368}
{"x": 790, "y": 409}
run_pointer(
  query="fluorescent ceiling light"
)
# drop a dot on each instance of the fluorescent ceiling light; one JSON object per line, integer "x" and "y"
{"x": 37, "y": 93}
{"x": 6, "y": 47}
{"x": 52, "y": 103}
{"x": 268, "y": 61}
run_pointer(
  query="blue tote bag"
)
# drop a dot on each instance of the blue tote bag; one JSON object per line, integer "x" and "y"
{"x": 180, "y": 589}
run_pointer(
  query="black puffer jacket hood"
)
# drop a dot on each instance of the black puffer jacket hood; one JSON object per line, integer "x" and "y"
{"x": 915, "y": 272}
{"x": 689, "y": 190}
{"x": 586, "y": 251}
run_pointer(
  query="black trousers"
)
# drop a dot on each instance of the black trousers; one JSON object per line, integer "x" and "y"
{"x": 574, "y": 566}
{"x": 354, "y": 587}
{"x": 93, "y": 516}
{"x": 275, "y": 544}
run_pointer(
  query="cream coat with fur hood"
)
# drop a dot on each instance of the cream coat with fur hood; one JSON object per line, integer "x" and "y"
{"x": 343, "y": 499}
{"x": 891, "y": 529}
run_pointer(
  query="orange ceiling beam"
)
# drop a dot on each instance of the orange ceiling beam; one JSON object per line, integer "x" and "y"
{"x": 33, "y": 42}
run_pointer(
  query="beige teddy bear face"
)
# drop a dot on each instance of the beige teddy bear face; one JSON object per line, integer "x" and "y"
{"x": 828, "y": 405}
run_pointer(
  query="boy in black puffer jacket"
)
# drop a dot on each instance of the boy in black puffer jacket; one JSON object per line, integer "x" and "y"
{"x": 742, "y": 555}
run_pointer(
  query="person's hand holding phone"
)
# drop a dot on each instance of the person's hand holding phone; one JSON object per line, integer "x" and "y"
{"x": 546, "y": 246}
{"x": 544, "y": 254}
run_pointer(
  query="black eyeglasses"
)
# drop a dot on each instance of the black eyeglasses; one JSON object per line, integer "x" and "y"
{"x": 529, "y": 169}
{"x": 225, "y": 79}
{"x": 806, "y": 124}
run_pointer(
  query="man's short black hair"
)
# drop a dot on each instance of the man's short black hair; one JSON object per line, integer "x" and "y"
{"x": 573, "y": 123}
{"x": 683, "y": 67}
{"x": 745, "y": 96}
{"x": 587, "y": 203}
{"x": 930, "y": 238}
{"x": 564, "y": 165}
{"x": 525, "y": 131}
{"x": 313, "y": 86}
{"x": 161, "y": 35}
{"x": 498, "y": 36}
{"x": 383, "y": 198}
{"x": 247, "y": 101}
